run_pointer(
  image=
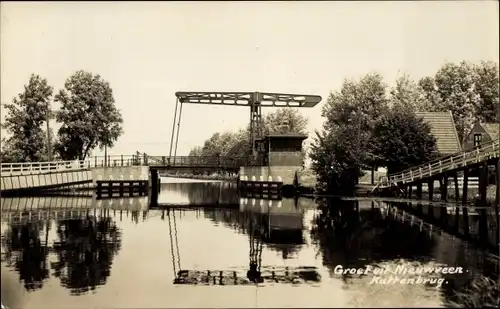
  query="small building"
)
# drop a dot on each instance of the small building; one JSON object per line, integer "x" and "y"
{"x": 282, "y": 156}
{"x": 444, "y": 130}
{"x": 481, "y": 133}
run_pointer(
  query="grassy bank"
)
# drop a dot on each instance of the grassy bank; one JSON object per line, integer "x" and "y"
{"x": 482, "y": 292}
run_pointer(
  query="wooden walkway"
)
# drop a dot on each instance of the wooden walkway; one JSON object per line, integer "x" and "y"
{"x": 461, "y": 160}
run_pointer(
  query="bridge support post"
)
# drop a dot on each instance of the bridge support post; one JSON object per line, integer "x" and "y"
{"x": 154, "y": 187}
{"x": 465, "y": 186}
{"x": 497, "y": 202}
{"x": 483, "y": 183}
{"x": 430, "y": 186}
{"x": 419, "y": 190}
{"x": 457, "y": 191}
{"x": 444, "y": 187}
{"x": 408, "y": 191}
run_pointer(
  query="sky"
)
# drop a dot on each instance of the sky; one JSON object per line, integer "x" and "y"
{"x": 149, "y": 50}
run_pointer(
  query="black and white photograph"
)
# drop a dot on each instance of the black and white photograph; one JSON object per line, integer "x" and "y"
{"x": 249, "y": 154}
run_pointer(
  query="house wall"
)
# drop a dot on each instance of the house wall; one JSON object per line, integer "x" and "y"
{"x": 286, "y": 158}
{"x": 468, "y": 142}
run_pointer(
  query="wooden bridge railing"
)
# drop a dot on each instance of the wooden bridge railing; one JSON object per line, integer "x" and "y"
{"x": 21, "y": 168}
{"x": 140, "y": 159}
{"x": 482, "y": 153}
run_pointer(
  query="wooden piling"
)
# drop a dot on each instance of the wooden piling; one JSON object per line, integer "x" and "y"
{"x": 430, "y": 186}
{"x": 465, "y": 220}
{"x": 419, "y": 190}
{"x": 483, "y": 183}
{"x": 99, "y": 189}
{"x": 497, "y": 202}
{"x": 444, "y": 187}
{"x": 465, "y": 186}
{"x": 457, "y": 191}
{"x": 154, "y": 187}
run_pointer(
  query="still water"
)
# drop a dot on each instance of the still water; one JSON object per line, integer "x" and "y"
{"x": 124, "y": 255}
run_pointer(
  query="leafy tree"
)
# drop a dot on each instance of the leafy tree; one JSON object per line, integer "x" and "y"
{"x": 241, "y": 146}
{"x": 219, "y": 144}
{"x": 346, "y": 143}
{"x": 469, "y": 91}
{"x": 404, "y": 140}
{"x": 487, "y": 86}
{"x": 336, "y": 158}
{"x": 285, "y": 120}
{"x": 196, "y": 151}
{"x": 24, "y": 122}
{"x": 409, "y": 95}
{"x": 88, "y": 115}
{"x": 455, "y": 84}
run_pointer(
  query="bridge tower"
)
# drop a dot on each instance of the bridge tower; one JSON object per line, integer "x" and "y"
{"x": 253, "y": 100}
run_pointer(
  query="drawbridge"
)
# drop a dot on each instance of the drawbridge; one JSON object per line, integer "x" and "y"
{"x": 255, "y": 101}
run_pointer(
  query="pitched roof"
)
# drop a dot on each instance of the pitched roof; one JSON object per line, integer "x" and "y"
{"x": 492, "y": 129}
{"x": 443, "y": 129}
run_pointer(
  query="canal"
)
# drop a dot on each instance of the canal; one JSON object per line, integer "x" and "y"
{"x": 309, "y": 253}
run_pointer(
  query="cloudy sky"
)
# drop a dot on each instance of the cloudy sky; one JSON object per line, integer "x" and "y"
{"x": 148, "y": 51}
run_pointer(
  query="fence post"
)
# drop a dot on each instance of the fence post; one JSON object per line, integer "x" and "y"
{"x": 122, "y": 160}
{"x": 95, "y": 159}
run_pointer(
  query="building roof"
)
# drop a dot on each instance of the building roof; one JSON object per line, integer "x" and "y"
{"x": 492, "y": 129}
{"x": 443, "y": 129}
{"x": 287, "y": 135}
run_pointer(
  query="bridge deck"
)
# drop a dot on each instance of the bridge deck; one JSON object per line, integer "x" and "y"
{"x": 157, "y": 162}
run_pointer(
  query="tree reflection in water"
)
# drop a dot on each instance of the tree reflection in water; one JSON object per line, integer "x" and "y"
{"x": 86, "y": 248}
{"x": 355, "y": 238}
{"x": 25, "y": 252}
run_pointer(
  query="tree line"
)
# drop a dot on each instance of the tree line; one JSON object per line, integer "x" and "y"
{"x": 88, "y": 119}
{"x": 368, "y": 124}
{"x": 281, "y": 121}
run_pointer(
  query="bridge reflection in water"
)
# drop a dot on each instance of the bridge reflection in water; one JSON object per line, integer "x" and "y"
{"x": 276, "y": 223}
{"x": 79, "y": 245}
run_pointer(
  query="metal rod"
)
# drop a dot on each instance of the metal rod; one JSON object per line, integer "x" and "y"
{"x": 178, "y": 129}
{"x": 173, "y": 128}
{"x": 49, "y": 146}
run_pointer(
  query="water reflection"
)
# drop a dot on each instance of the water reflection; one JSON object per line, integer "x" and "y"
{"x": 104, "y": 255}
{"x": 26, "y": 253}
{"x": 85, "y": 250}
{"x": 276, "y": 224}
{"x": 199, "y": 193}
{"x": 354, "y": 237}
